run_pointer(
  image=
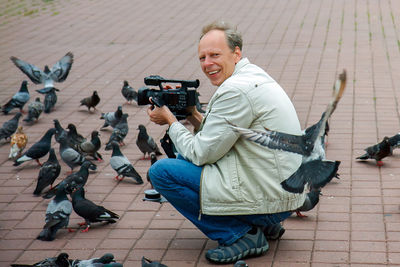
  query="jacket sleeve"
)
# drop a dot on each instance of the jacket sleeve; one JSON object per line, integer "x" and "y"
{"x": 216, "y": 137}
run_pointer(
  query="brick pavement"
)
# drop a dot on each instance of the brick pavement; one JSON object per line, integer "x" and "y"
{"x": 302, "y": 44}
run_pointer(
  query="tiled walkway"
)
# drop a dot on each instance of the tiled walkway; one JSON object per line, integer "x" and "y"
{"x": 302, "y": 44}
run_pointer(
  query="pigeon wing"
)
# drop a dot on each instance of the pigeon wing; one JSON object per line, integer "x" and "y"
{"x": 33, "y": 72}
{"x": 60, "y": 70}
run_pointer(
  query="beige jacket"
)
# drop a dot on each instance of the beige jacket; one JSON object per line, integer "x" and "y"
{"x": 239, "y": 176}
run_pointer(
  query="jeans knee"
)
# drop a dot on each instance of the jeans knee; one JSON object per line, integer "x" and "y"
{"x": 157, "y": 171}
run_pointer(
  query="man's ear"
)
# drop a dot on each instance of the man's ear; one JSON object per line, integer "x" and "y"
{"x": 238, "y": 54}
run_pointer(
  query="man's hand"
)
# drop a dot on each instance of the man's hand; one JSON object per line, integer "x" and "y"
{"x": 161, "y": 115}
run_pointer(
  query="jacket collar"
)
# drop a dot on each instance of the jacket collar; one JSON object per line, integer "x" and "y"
{"x": 244, "y": 61}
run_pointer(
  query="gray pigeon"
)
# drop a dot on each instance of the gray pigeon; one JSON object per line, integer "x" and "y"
{"x": 128, "y": 92}
{"x": 57, "y": 215}
{"x": 18, "y": 100}
{"x": 38, "y": 149}
{"x": 104, "y": 260}
{"x": 91, "y": 147}
{"x": 394, "y": 142}
{"x": 58, "y": 72}
{"x": 35, "y": 108}
{"x": 149, "y": 263}
{"x": 315, "y": 169}
{"x": 9, "y": 127}
{"x": 48, "y": 173}
{"x": 71, "y": 182}
{"x": 119, "y": 132}
{"x": 90, "y": 211}
{"x": 50, "y": 99}
{"x": 60, "y": 131}
{"x": 111, "y": 118}
{"x": 378, "y": 151}
{"x": 73, "y": 137}
{"x": 123, "y": 166}
{"x": 60, "y": 261}
{"x": 312, "y": 199}
{"x": 146, "y": 143}
{"x": 70, "y": 156}
{"x": 91, "y": 101}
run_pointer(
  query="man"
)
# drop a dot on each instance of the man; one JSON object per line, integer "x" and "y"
{"x": 229, "y": 187}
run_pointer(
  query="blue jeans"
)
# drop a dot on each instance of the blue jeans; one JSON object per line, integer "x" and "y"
{"x": 178, "y": 181}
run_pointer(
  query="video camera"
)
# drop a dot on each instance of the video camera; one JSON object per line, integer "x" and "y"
{"x": 177, "y": 100}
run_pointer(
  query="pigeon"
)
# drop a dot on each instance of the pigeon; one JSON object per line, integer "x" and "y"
{"x": 315, "y": 169}
{"x": 104, "y": 260}
{"x": 153, "y": 159}
{"x": 111, "y": 118}
{"x": 378, "y": 151}
{"x": 91, "y": 101}
{"x": 73, "y": 137}
{"x": 60, "y": 131}
{"x": 9, "y": 127}
{"x": 146, "y": 143}
{"x": 57, "y": 215}
{"x": 123, "y": 166}
{"x": 119, "y": 132}
{"x": 50, "y": 99}
{"x": 149, "y": 263}
{"x": 48, "y": 173}
{"x": 18, "y": 100}
{"x": 58, "y": 73}
{"x": 129, "y": 93}
{"x": 71, "y": 182}
{"x": 72, "y": 157}
{"x": 91, "y": 147}
{"x": 18, "y": 142}
{"x": 35, "y": 108}
{"x": 38, "y": 149}
{"x": 90, "y": 211}
{"x": 60, "y": 261}
{"x": 394, "y": 142}
{"x": 312, "y": 199}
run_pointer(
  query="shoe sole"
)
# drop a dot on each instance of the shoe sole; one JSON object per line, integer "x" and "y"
{"x": 250, "y": 252}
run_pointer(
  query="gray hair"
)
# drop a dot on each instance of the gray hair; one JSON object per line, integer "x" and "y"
{"x": 233, "y": 36}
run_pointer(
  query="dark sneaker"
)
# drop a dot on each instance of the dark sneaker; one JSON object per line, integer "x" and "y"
{"x": 247, "y": 245}
{"x": 274, "y": 231}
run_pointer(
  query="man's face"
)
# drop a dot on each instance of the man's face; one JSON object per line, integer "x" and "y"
{"x": 217, "y": 60}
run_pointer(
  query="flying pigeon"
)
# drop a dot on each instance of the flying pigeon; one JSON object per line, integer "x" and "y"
{"x": 119, "y": 132}
{"x": 91, "y": 147}
{"x": 18, "y": 143}
{"x": 111, "y": 118}
{"x": 18, "y": 100}
{"x": 60, "y": 261}
{"x": 48, "y": 173}
{"x": 378, "y": 151}
{"x": 149, "y": 263}
{"x": 105, "y": 260}
{"x": 312, "y": 199}
{"x": 58, "y": 72}
{"x": 73, "y": 137}
{"x": 123, "y": 166}
{"x": 57, "y": 215}
{"x": 315, "y": 169}
{"x": 38, "y": 149}
{"x": 129, "y": 93}
{"x": 35, "y": 108}
{"x": 72, "y": 157}
{"x": 71, "y": 182}
{"x": 9, "y": 127}
{"x": 91, "y": 101}
{"x": 90, "y": 211}
{"x": 50, "y": 99}
{"x": 146, "y": 143}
